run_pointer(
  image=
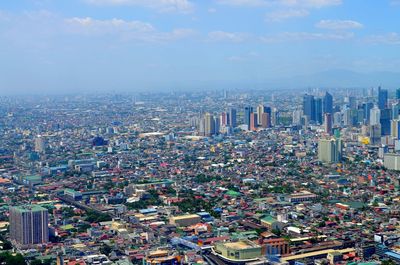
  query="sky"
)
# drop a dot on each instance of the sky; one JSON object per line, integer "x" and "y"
{"x": 62, "y": 46}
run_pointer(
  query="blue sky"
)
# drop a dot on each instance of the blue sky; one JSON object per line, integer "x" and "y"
{"x": 131, "y": 45}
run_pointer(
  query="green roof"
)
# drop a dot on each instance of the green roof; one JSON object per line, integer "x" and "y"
{"x": 28, "y": 208}
{"x": 233, "y": 193}
{"x": 268, "y": 219}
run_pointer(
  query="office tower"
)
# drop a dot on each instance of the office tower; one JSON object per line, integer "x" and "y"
{"x": 274, "y": 117}
{"x": 329, "y": 150}
{"x": 385, "y": 121}
{"x": 328, "y": 123}
{"x": 247, "y": 112}
{"x": 328, "y": 103}
{"x": 395, "y": 110}
{"x": 232, "y": 117}
{"x": 352, "y": 102}
{"x": 318, "y": 110}
{"x": 337, "y": 119}
{"x": 382, "y": 98}
{"x": 253, "y": 121}
{"x": 395, "y": 129}
{"x": 375, "y": 134}
{"x": 398, "y": 93}
{"x": 224, "y": 119}
{"x": 266, "y": 120}
{"x": 260, "y": 111}
{"x": 209, "y": 122}
{"x": 217, "y": 125}
{"x": 367, "y": 106}
{"x": 29, "y": 225}
{"x": 40, "y": 144}
{"x": 309, "y": 107}
{"x": 347, "y": 117}
{"x": 375, "y": 116}
{"x": 202, "y": 127}
{"x": 296, "y": 117}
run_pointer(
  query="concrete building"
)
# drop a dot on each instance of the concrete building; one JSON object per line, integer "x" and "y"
{"x": 391, "y": 161}
{"x": 29, "y": 225}
{"x": 329, "y": 150}
{"x": 185, "y": 220}
{"x": 238, "y": 252}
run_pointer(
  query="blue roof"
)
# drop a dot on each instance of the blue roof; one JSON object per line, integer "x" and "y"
{"x": 149, "y": 210}
{"x": 393, "y": 254}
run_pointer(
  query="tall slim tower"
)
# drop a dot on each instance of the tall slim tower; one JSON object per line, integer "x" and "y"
{"x": 327, "y": 103}
{"x": 382, "y": 98}
{"x": 232, "y": 117}
{"x": 29, "y": 225}
{"x": 309, "y": 107}
{"x": 328, "y": 123}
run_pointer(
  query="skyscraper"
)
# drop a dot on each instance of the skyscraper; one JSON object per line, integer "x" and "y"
{"x": 318, "y": 110}
{"x": 40, "y": 144}
{"x": 382, "y": 98}
{"x": 232, "y": 117}
{"x": 395, "y": 110}
{"x": 395, "y": 129}
{"x": 385, "y": 121}
{"x": 398, "y": 93}
{"x": 247, "y": 112}
{"x": 29, "y": 225}
{"x": 375, "y": 116}
{"x": 367, "y": 106}
{"x": 309, "y": 107}
{"x": 329, "y": 150}
{"x": 328, "y": 123}
{"x": 209, "y": 123}
{"x": 253, "y": 121}
{"x": 266, "y": 120}
{"x": 328, "y": 103}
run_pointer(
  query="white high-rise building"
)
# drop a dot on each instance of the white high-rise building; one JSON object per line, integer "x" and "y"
{"x": 375, "y": 116}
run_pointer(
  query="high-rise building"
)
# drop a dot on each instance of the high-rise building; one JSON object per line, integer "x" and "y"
{"x": 395, "y": 110}
{"x": 375, "y": 134}
{"x": 260, "y": 111}
{"x": 247, "y": 112}
{"x": 224, "y": 119}
{"x": 328, "y": 103}
{"x": 318, "y": 110}
{"x": 375, "y": 116}
{"x": 309, "y": 107}
{"x": 395, "y": 129}
{"x": 329, "y": 150}
{"x": 328, "y": 123}
{"x": 398, "y": 93}
{"x": 253, "y": 121}
{"x": 266, "y": 120}
{"x": 40, "y": 144}
{"x": 232, "y": 117}
{"x": 385, "y": 121}
{"x": 297, "y": 114}
{"x": 367, "y": 106}
{"x": 209, "y": 122}
{"x": 382, "y": 98}
{"x": 29, "y": 225}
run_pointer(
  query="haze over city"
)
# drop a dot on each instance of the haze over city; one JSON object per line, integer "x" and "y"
{"x": 49, "y": 46}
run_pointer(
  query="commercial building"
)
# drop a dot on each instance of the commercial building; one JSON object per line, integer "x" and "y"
{"x": 29, "y": 225}
{"x": 391, "y": 161}
{"x": 185, "y": 220}
{"x": 238, "y": 252}
{"x": 329, "y": 150}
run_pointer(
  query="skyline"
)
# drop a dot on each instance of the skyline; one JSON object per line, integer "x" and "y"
{"x": 132, "y": 45}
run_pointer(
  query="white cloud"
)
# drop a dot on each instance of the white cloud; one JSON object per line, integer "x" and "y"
{"x": 125, "y": 30}
{"x": 392, "y": 38}
{"x": 181, "y": 6}
{"x": 227, "y": 36}
{"x": 291, "y": 3}
{"x": 306, "y": 36}
{"x": 286, "y": 14}
{"x": 338, "y": 24}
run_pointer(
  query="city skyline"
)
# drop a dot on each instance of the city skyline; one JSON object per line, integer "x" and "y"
{"x": 132, "y": 45}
